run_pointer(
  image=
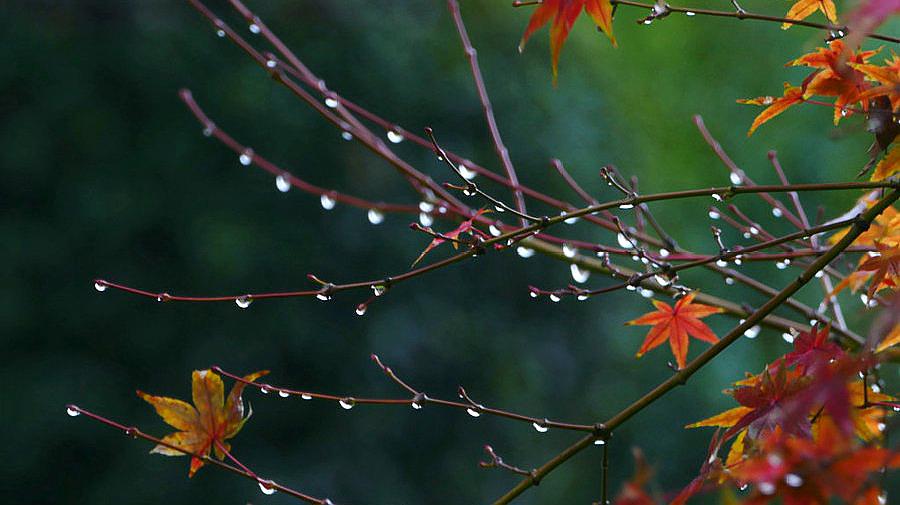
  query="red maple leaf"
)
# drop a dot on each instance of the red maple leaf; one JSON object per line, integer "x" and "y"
{"x": 564, "y": 13}
{"x": 675, "y": 324}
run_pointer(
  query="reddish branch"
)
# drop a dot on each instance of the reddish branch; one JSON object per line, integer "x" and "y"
{"x": 243, "y": 471}
{"x": 417, "y": 400}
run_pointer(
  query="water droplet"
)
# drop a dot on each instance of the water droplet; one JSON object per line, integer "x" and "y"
{"x": 284, "y": 394}
{"x": 254, "y": 28}
{"x": 735, "y": 178}
{"x": 271, "y": 63}
{"x": 555, "y": 298}
{"x": 717, "y": 197}
{"x": 819, "y": 274}
{"x": 570, "y": 220}
{"x": 378, "y": 289}
{"x": 426, "y": 219}
{"x": 646, "y": 293}
{"x": 876, "y": 388}
{"x": 331, "y": 102}
{"x": 630, "y": 287}
{"x": 766, "y": 488}
{"x": 690, "y": 13}
{"x": 72, "y": 411}
{"x": 426, "y": 206}
{"x": 346, "y": 135}
{"x": 624, "y": 241}
{"x": 220, "y": 33}
{"x": 752, "y": 332}
{"x": 599, "y": 441}
{"x": 578, "y": 275}
{"x": 246, "y": 157}
{"x": 882, "y": 498}
{"x": 781, "y": 265}
{"x": 744, "y": 487}
{"x": 881, "y": 426}
{"x": 472, "y": 412}
{"x": 648, "y": 21}
{"x": 582, "y": 297}
{"x": 540, "y": 428}
{"x": 467, "y": 173}
{"x": 494, "y": 230}
{"x": 266, "y": 486}
{"x": 100, "y": 286}
{"x": 664, "y": 253}
{"x": 322, "y": 297}
{"x": 729, "y": 281}
{"x": 243, "y": 301}
{"x": 662, "y": 279}
{"x": 416, "y": 405}
{"x": 283, "y": 183}
{"x": 524, "y": 252}
{"x": 533, "y": 294}
{"x": 328, "y": 202}
{"x": 569, "y": 251}
{"x": 721, "y": 263}
{"x": 626, "y": 206}
{"x": 754, "y": 230}
{"x": 208, "y": 131}
{"x": 499, "y": 208}
{"x": 264, "y": 389}
{"x": 347, "y": 403}
{"x": 776, "y": 211}
{"x": 746, "y": 234}
{"x": 306, "y": 396}
{"x": 394, "y": 137}
{"x": 868, "y": 302}
{"x": 375, "y": 216}
{"x": 361, "y": 309}
{"x": 788, "y": 337}
{"x": 714, "y": 214}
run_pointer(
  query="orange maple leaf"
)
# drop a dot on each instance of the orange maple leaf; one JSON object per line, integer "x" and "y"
{"x": 888, "y": 166}
{"x": 802, "y": 9}
{"x": 885, "y": 267}
{"x": 564, "y": 13}
{"x": 205, "y": 425}
{"x": 675, "y": 324}
{"x": 452, "y": 236}
{"x": 775, "y": 106}
{"x": 887, "y": 75}
{"x": 836, "y": 76}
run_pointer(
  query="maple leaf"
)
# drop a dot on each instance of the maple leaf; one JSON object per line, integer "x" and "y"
{"x": 564, "y": 13}
{"x": 888, "y": 76}
{"x": 888, "y": 166}
{"x": 466, "y": 226}
{"x": 775, "y": 105}
{"x": 836, "y": 76}
{"x": 207, "y": 424}
{"x": 885, "y": 267}
{"x": 802, "y": 9}
{"x": 675, "y": 324}
{"x": 812, "y": 350}
{"x": 890, "y": 340}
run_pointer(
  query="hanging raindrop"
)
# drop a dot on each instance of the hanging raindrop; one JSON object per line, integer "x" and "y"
{"x": 246, "y": 157}
{"x": 426, "y": 219}
{"x": 328, "y": 202}
{"x": 569, "y": 251}
{"x": 284, "y": 394}
{"x": 624, "y": 241}
{"x": 714, "y": 214}
{"x": 472, "y": 412}
{"x": 72, "y": 411}
{"x": 100, "y": 286}
{"x": 578, "y": 275}
{"x": 776, "y": 211}
{"x": 375, "y": 216}
{"x": 331, "y": 102}
{"x": 524, "y": 252}
{"x": 735, "y": 178}
{"x": 540, "y": 428}
{"x": 394, "y": 137}
{"x": 266, "y": 486}
{"x": 243, "y": 301}
{"x": 347, "y": 403}
{"x": 283, "y": 183}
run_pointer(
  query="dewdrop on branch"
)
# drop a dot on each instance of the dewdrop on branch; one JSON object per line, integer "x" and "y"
{"x": 375, "y": 216}
{"x": 328, "y": 202}
{"x": 394, "y": 137}
{"x": 243, "y": 301}
{"x": 282, "y": 183}
{"x": 246, "y": 157}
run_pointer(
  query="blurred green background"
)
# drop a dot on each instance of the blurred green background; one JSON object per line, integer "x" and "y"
{"x": 105, "y": 174}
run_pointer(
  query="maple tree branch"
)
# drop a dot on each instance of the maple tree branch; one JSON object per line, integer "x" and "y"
{"x": 497, "y": 462}
{"x": 249, "y": 156}
{"x": 543, "y": 223}
{"x": 860, "y": 225}
{"x": 499, "y": 147}
{"x": 417, "y": 401}
{"x": 135, "y": 432}
{"x": 742, "y": 14}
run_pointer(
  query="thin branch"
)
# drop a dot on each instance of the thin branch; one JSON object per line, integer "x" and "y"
{"x": 499, "y": 147}
{"x": 135, "y": 432}
{"x": 417, "y": 400}
{"x": 742, "y": 14}
{"x": 497, "y": 462}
